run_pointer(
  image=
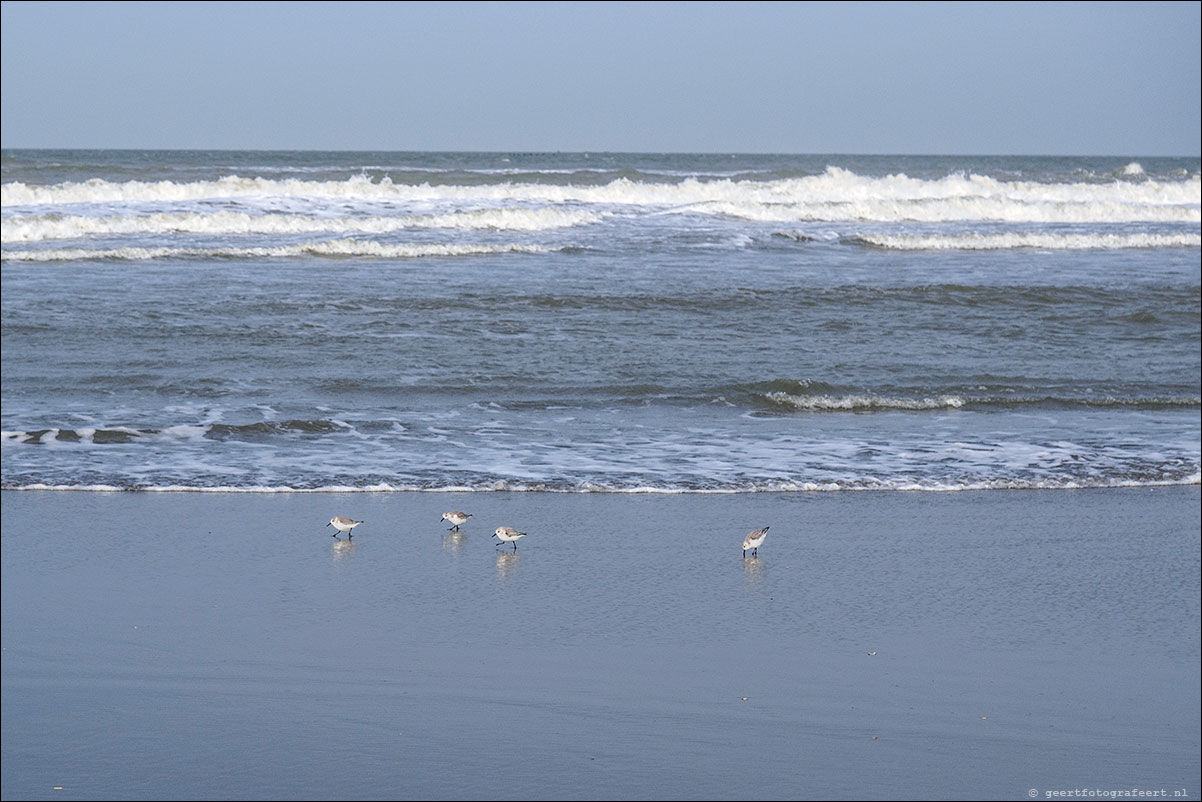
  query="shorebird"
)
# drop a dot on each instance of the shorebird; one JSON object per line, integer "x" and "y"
{"x": 456, "y": 517}
{"x": 343, "y": 525}
{"x": 509, "y": 535}
{"x": 754, "y": 540}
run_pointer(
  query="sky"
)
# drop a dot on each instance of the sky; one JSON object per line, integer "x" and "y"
{"x": 1079, "y": 78}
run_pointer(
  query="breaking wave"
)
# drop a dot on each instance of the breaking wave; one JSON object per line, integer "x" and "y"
{"x": 826, "y": 402}
{"x": 50, "y": 227}
{"x": 329, "y": 248}
{"x": 861, "y": 403}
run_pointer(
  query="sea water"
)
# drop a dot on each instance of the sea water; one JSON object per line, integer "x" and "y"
{"x": 299, "y": 321}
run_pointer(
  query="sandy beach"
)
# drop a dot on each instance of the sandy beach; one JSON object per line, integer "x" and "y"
{"x": 994, "y": 645}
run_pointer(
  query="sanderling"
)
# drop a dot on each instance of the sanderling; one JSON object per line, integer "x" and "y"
{"x": 343, "y": 525}
{"x": 456, "y": 517}
{"x": 509, "y": 535}
{"x": 754, "y": 540}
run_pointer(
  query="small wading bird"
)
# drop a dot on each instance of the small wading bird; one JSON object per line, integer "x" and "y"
{"x": 455, "y": 517}
{"x": 754, "y": 540}
{"x": 509, "y": 535}
{"x": 343, "y": 525}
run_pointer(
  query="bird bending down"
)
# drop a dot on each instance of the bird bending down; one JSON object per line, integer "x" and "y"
{"x": 343, "y": 525}
{"x": 509, "y": 535}
{"x": 455, "y": 517}
{"x": 754, "y": 540}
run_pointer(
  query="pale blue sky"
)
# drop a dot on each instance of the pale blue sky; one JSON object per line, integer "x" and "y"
{"x": 944, "y": 78}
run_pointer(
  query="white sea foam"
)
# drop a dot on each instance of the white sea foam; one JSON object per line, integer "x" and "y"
{"x": 942, "y": 210}
{"x": 50, "y": 227}
{"x": 847, "y": 485}
{"x": 993, "y": 242}
{"x": 185, "y": 432}
{"x": 80, "y": 488}
{"x": 853, "y": 403}
{"x": 328, "y": 248}
{"x": 836, "y": 194}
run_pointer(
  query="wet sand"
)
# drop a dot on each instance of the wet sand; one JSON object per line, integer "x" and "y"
{"x": 883, "y": 645}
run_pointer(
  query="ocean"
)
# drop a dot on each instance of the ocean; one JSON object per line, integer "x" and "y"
{"x": 582, "y": 322}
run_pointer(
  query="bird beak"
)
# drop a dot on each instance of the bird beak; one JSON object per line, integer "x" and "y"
{"x": 331, "y": 523}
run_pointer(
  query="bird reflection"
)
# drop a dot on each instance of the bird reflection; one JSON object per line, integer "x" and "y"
{"x": 753, "y": 569}
{"x": 453, "y": 542}
{"x": 343, "y": 549}
{"x": 507, "y": 563}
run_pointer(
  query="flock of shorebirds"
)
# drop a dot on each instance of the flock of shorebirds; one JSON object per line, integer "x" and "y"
{"x": 507, "y": 534}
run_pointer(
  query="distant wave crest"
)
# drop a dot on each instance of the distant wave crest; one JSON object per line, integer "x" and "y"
{"x": 1009, "y": 241}
{"x": 835, "y": 195}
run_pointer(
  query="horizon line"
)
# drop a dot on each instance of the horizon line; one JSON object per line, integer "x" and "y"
{"x": 586, "y": 152}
